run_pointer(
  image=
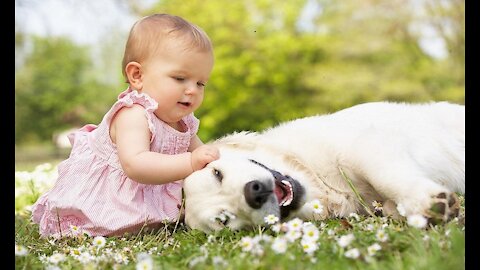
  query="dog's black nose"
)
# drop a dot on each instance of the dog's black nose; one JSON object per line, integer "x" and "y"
{"x": 256, "y": 193}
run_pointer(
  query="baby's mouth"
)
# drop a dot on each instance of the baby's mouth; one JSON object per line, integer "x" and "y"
{"x": 186, "y": 104}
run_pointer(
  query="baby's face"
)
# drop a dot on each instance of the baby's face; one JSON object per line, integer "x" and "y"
{"x": 175, "y": 77}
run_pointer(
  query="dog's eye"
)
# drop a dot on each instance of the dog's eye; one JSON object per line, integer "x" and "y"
{"x": 218, "y": 174}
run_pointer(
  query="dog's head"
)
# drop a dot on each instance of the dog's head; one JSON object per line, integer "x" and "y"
{"x": 238, "y": 192}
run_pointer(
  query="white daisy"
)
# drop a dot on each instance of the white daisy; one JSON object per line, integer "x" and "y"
{"x": 20, "y": 250}
{"x": 295, "y": 224}
{"x": 75, "y": 230}
{"x": 372, "y": 250}
{"x": 377, "y": 206}
{"x": 417, "y": 221}
{"x": 145, "y": 264}
{"x": 381, "y": 236}
{"x": 246, "y": 243}
{"x": 279, "y": 245}
{"x": 99, "y": 241}
{"x": 259, "y": 239}
{"x": 316, "y": 206}
{"x": 345, "y": 240}
{"x": 352, "y": 253}
{"x": 75, "y": 252}
{"x": 120, "y": 258}
{"x": 370, "y": 227}
{"x": 56, "y": 258}
{"x": 309, "y": 246}
{"x": 310, "y": 232}
{"x": 271, "y": 219}
{"x": 293, "y": 235}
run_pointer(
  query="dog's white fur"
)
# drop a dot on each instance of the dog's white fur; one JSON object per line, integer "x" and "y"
{"x": 395, "y": 153}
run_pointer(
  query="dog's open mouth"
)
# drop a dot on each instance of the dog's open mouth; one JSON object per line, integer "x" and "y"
{"x": 284, "y": 192}
{"x": 289, "y": 192}
{"x": 290, "y": 195}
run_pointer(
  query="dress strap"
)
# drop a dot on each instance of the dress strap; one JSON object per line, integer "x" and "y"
{"x": 129, "y": 97}
{"x": 192, "y": 123}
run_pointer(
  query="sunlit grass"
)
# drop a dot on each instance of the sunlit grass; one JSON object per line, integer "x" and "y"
{"x": 30, "y": 165}
{"x": 353, "y": 243}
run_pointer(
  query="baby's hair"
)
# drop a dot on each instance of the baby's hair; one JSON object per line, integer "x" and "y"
{"x": 148, "y": 34}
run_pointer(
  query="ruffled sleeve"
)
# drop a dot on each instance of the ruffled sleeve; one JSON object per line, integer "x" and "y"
{"x": 129, "y": 97}
{"x": 87, "y": 128}
{"x": 192, "y": 123}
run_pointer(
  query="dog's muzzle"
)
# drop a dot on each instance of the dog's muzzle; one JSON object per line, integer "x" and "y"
{"x": 288, "y": 191}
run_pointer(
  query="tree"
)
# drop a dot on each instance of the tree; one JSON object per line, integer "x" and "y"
{"x": 268, "y": 69}
{"x": 260, "y": 56}
{"x": 53, "y": 90}
{"x": 374, "y": 53}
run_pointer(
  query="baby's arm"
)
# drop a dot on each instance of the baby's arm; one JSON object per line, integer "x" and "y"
{"x": 131, "y": 135}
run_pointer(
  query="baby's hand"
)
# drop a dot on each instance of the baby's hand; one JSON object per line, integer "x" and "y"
{"x": 204, "y": 155}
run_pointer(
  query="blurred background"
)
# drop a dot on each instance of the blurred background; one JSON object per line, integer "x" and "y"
{"x": 274, "y": 60}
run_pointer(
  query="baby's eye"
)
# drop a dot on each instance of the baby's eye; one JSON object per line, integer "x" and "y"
{"x": 179, "y": 79}
{"x": 218, "y": 174}
{"x": 201, "y": 84}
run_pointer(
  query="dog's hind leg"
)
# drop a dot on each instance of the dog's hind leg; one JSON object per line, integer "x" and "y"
{"x": 444, "y": 207}
{"x": 415, "y": 174}
{"x": 415, "y": 194}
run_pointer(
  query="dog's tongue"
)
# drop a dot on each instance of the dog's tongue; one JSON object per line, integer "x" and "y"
{"x": 284, "y": 192}
{"x": 279, "y": 192}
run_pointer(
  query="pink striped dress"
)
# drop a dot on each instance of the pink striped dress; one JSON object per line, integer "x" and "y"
{"x": 93, "y": 194}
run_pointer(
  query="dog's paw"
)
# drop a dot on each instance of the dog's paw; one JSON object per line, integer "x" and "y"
{"x": 444, "y": 207}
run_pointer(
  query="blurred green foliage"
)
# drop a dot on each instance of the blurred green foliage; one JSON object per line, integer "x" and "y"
{"x": 54, "y": 90}
{"x": 268, "y": 68}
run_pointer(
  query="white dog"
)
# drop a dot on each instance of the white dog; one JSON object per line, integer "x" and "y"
{"x": 405, "y": 156}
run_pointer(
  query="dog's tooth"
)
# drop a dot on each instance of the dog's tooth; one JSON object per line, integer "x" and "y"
{"x": 290, "y": 188}
{"x": 288, "y": 202}
{"x": 289, "y": 198}
{"x": 287, "y": 184}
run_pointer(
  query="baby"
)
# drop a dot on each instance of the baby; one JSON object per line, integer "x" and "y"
{"x": 127, "y": 171}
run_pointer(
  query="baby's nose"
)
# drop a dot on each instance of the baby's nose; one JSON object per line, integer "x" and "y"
{"x": 192, "y": 89}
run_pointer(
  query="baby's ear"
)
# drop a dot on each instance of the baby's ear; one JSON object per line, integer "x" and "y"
{"x": 133, "y": 70}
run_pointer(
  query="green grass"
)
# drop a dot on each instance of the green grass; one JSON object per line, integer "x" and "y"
{"x": 175, "y": 246}
{"x": 406, "y": 248}
{"x": 30, "y": 165}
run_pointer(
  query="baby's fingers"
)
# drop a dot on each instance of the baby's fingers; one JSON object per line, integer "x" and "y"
{"x": 214, "y": 153}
